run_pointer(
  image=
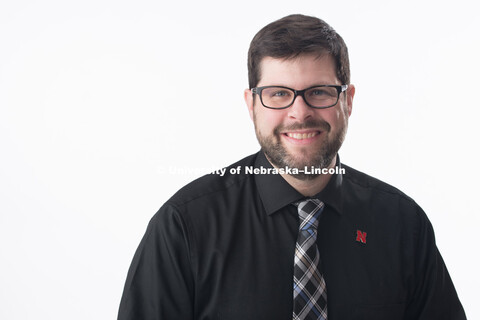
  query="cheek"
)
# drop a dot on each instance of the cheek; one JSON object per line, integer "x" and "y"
{"x": 267, "y": 119}
{"x": 336, "y": 117}
{"x": 331, "y": 116}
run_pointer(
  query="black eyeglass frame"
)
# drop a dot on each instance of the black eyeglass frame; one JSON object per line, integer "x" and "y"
{"x": 340, "y": 89}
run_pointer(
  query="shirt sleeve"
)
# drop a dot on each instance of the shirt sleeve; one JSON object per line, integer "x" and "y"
{"x": 435, "y": 296}
{"x": 159, "y": 283}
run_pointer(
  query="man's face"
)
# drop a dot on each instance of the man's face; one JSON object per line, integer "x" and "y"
{"x": 300, "y": 136}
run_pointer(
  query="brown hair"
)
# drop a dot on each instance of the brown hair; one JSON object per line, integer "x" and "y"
{"x": 294, "y": 35}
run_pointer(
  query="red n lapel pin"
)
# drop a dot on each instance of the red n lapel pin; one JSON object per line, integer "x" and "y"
{"x": 361, "y": 236}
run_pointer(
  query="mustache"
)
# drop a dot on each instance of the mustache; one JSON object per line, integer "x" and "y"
{"x": 315, "y": 124}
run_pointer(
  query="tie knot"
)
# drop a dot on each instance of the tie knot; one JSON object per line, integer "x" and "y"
{"x": 309, "y": 211}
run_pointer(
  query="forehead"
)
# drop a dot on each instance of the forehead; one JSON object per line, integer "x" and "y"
{"x": 299, "y": 72}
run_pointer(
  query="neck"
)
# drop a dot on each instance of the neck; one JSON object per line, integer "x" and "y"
{"x": 313, "y": 186}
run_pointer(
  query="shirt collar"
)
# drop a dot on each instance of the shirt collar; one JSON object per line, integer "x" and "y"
{"x": 332, "y": 194}
{"x": 276, "y": 193}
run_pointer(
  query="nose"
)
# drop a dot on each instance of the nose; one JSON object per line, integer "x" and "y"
{"x": 299, "y": 110}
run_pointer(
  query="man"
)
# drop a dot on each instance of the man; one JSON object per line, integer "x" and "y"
{"x": 290, "y": 232}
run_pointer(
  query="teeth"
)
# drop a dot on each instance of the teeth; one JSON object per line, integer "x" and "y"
{"x": 301, "y": 136}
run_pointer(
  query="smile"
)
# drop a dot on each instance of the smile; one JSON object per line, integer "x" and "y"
{"x": 301, "y": 136}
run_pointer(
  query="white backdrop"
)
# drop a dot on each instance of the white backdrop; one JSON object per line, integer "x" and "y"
{"x": 108, "y": 107}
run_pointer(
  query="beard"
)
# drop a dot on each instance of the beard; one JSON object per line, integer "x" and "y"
{"x": 278, "y": 155}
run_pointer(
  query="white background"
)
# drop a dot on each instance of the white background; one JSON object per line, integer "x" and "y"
{"x": 103, "y": 102}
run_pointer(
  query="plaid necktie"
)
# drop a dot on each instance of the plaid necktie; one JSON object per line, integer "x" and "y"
{"x": 309, "y": 289}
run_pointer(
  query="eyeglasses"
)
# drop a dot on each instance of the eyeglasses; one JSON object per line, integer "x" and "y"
{"x": 318, "y": 97}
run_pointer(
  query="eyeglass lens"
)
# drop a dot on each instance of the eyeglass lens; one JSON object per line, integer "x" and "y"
{"x": 276, "y": 97}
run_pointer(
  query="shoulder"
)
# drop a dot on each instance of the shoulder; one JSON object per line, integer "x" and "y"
{"x": 380, "y": 200}
{"x": 213, "y": 185}
{"x": 359, "y": 180}
{"x": 377, "y": 205}
{"x": 202, "y": 206}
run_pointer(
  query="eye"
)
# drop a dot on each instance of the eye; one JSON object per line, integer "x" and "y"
{"x": 280, "y": 93}
{"x": 318, "y": 92}
{"x": 322, "y": 93}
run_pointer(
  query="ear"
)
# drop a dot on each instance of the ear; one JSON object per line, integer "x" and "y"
{"x": 350, "y": 94}
{"x": 248, "y": 96}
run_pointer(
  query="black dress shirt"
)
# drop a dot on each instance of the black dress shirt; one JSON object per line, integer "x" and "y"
{"x": 223, "y": 248}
